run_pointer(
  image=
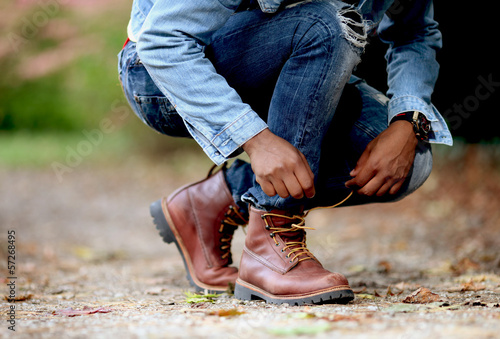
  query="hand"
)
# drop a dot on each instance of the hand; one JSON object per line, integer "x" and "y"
{"x": 386, "y": 161}
{"x": 279, "y": 167}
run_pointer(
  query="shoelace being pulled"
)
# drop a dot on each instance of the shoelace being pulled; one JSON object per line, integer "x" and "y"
{"x": 296, "y": 248}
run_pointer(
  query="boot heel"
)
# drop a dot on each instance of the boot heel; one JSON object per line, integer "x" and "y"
{"x": 168, "y": 236}
{"x": 243, "y": 293}
{"x": 161, "y": 223}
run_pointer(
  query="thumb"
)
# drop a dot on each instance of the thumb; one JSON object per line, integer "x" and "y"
{"x": 354, "y": 172}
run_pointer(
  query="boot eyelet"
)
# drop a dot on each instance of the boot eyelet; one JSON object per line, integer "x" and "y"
{"x": 282, "y": 250}
{"x": 271, "y": 235}
{"x": 277, "y": 244}
{"x": 291, "y": 261}
{"x": 268, "y": 227}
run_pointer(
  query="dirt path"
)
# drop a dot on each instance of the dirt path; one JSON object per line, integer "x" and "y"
{"x": 88, "y": 244}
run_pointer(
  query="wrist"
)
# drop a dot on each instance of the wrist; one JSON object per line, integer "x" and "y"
{"x": 421, "y": 126}
{"x": 255, "y": 141}
{"x": 405, "y": 130}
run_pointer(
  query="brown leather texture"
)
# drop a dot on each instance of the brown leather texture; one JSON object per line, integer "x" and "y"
{"x": 195, "y": 214}
{"x": 269, "y": 265}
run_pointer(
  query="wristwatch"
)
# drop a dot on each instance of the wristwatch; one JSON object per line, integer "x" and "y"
{"x": 421, "y": 126}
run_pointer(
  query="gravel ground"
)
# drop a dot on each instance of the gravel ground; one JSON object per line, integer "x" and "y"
{"x": 87, "y": 244}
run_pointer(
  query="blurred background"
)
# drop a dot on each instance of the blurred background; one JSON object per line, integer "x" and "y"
{"x": 69, "y": 142}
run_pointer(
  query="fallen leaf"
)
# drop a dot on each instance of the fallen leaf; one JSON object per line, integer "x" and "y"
{"x": 360, "y": 291}
{"x": 226, "y": 313}
{"x": 357, "y": 269}
{"x": 401, "y": 286}
{"x": 389, "y": 291}
{"x": 303, "y": 315}
{"x": 193, "y": 298}
{"x": 21, "y": 297}
{"x": 155, "y": 290}
{"x": 465, "y": 265}
{"x": 85, "y": 253}
{"x": 422, "y": 296}
{"x": 69, "y": 312}
{"x": 384, "y": 266}
{"x": 365, "y": 296}
{"x": 340, "y": 317}
{"x": 468, "y": 286}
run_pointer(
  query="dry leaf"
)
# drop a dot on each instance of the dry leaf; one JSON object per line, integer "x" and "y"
{"x": 365, "y": 296}
{"x": 360, "y": 291}
{"x": 155, "y": 290}
{"x": 21, "y": 297}
{"x": 226, "y": 313}
{"x": 384, "y": 266}
{"x": 468, "y": 286}
{"x": 422, "y": 296}
{"x": 389, "y": 292}
{"x": 69, "y": 312}
{"x": 340, "y": 317}
{"x": 401, "y": 286}
{"x": 465, "y": 265}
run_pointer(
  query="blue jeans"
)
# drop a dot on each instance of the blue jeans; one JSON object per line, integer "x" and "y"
{"x": 294, "y": 68}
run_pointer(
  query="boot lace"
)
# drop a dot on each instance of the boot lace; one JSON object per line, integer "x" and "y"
{"x": 297, "y": 224}
{"x": 232, "y": 220}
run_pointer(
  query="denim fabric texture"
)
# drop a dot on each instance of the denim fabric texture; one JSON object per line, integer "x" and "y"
{"x": 172, "y": 36}
{"x": 223, "y": 78}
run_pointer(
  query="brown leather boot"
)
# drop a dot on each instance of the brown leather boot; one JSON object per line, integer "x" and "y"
{"x": 277, "y": 267}
{"x": 200, "y": 219}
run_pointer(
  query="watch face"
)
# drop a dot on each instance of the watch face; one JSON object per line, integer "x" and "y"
{"x": 423, "y": 127}
{"x": 425, "y": 124}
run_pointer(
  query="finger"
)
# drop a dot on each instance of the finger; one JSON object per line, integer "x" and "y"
{"x": 396, "y": 187}
{"x": 306, "y": 163}
{"x": 267, "y": 187}
{"x": 360, "y": 163}
{"x": 352, "y": 184}
{"x": 371, "y": 186}
{"x": 293, "y": 187}
{"x": 305, "y": 178}
{"x": 360, "y": 180}
{"x": 384, "y": 189}
{"x": 281, "y": 189}
{"x": 306, "y": 185}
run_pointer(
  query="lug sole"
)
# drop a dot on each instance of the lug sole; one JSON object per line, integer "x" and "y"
{"x": 246, "y": 291}
{"x": 168, "y": 236}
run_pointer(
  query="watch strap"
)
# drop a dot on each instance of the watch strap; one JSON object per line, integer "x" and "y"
{"x": 421, "y": 126}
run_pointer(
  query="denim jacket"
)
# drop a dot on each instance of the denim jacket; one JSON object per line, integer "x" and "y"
{"x": 171, "y": 36}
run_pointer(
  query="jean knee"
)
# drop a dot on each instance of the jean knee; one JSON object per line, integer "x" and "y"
{"x": 330, "y": 22}
{"x": 353, "y": 27}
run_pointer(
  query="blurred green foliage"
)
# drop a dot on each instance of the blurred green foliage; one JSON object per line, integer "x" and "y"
{"x": 60, "y": 73}
{"x": 60, "y": 81}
